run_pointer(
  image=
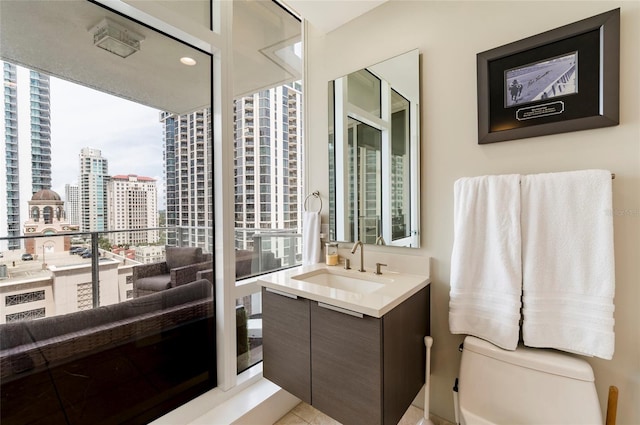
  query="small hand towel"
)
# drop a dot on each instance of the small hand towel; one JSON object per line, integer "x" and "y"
{"x": 311, "y": 245}
{"x": 486, "y": 268}
{"x": 568, "y": 262}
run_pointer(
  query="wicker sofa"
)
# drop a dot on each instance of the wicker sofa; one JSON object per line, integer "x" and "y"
{"x": 112, "y": 364}
{"x": 181, "y": 266}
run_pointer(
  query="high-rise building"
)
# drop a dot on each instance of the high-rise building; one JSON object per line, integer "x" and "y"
{"x": 26, "y": 148}
{"x": 40, "y": 131}
{"x": 268, "y": 161}
{"x": 94, "y": 177}
{"x": 72, "y": 203}
{"x": 188, "y": 171}
{"x": 132, "y": 204}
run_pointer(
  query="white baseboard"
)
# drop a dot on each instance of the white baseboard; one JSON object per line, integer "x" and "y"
{"x": 253, "y": 401}
{"x": 262, "y": 403}
{"x": 270, "y": 409}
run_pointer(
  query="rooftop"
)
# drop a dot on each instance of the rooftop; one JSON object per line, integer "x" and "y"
{"x": 45, "y": 195}
{"x": 18, "y": 270}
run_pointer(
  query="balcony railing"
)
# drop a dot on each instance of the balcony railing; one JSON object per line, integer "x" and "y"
{"x": 260, "y": 251}
{"x": 53, "y": 253}
{"x": 51, "y": 282}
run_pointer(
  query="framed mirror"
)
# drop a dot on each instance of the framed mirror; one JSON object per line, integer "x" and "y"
{"x": 374, "y": 154}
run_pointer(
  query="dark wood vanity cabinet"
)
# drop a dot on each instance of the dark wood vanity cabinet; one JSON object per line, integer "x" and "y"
{"x": 358, "y": 370}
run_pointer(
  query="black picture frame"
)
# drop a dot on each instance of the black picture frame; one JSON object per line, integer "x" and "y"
{"x": 585, "y": 98}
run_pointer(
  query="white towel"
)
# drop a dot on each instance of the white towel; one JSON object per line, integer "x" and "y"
{"x": 311, "y": 248}
{"x": 568, "y": 262}
{"x": 486, "y": 268}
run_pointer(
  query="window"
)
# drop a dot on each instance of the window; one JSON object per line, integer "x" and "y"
{"x": 27, "y": 297}
{"x": 266, "y": 241}
{"x": 270, "y": 62}
{"x": 251, "y": 244}
{"x": 85, "y": 296}
{"x": 37, "y": 313}
{"x": 122, "y": 134}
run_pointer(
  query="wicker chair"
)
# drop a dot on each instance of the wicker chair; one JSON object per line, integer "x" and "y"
{"x": 205, "y": 274}
{"x": 181, "y": 266}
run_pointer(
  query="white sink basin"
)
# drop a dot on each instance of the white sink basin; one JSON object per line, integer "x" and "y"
{"x": 362, "y": 292}
{"x": 351, "y": 281}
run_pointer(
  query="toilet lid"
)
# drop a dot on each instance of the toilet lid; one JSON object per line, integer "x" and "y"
{"x": 542, "y": 359}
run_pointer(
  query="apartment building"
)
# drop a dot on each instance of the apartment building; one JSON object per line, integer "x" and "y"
{"x": 149, "y": 254}
{"x": 268, "y": 171}
{"x": 93, "y": 180}
{"x": 188, "y": 173}
{"x": 27, "y": 146}
{"x": 72, "y": 203}
{"x": 132, "y": 204}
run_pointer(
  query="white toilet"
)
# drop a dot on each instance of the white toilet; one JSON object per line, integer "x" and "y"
{"x": 525, "y": 386}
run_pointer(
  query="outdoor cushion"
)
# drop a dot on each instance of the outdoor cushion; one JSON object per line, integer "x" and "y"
{"x": 154, "y": 283}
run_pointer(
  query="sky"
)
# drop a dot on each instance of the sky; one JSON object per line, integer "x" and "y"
{"x": 128, "y": 134}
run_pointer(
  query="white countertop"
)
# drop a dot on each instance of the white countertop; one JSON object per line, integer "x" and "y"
{"x": 394, "y": 288}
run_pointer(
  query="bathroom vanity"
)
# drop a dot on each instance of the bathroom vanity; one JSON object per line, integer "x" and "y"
{"x": 351, "y": 344}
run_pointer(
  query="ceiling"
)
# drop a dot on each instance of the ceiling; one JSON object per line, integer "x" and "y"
{"x": 260, "y": 28}
{"x": 55, "y": 37}
{"x": 327, "y": 15}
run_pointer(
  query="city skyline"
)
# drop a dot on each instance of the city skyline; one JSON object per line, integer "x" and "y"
{"x": 128, "y": 134}
{"x": 129, "y": 139}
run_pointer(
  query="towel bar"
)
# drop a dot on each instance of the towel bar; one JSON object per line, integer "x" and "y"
{"x": 613, "y": 176}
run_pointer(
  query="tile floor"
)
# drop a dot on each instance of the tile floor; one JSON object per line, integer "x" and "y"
{"x": 304, "y": 414}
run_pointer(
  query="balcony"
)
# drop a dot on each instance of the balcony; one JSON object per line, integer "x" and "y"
{"x": 55, "y": 286}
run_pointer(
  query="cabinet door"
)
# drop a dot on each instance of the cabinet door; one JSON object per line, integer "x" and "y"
{"x": 404, "y": 330}
{"x": 346, "y": 371}
{"x": 285, "y": 343}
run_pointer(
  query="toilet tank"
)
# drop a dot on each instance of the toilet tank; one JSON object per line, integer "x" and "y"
{"x": 525, "y": 386}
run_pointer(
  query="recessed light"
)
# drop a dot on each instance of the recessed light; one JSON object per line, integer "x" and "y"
{"x": 188, "y": 61}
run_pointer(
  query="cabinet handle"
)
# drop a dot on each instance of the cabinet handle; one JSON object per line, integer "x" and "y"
{"x": 341, "y": 310}
{"x": 284, "y": 294}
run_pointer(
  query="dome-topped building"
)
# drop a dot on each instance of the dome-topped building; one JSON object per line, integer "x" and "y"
{"x": 46, "y": 195}
{"x": 46, "y": 207}
{"x": 47, "y": 217}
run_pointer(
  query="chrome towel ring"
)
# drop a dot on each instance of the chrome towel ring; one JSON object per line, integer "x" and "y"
{"x": 315, "y": 194}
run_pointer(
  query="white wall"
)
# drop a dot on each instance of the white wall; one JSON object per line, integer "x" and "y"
{"x": 449, "y": 34}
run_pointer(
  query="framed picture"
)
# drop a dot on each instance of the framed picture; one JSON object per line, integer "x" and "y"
{"x": 562, "y": 80}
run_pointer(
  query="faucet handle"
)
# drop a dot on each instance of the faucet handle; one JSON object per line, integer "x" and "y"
{"x": 378, "y": 265}
{"x": 347, "y": 264}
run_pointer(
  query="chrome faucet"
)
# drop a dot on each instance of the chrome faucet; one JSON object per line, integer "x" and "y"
{"x": 353, "y": 251}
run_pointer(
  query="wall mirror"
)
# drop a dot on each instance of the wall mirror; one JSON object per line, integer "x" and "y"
{"x": 374, "y": 154}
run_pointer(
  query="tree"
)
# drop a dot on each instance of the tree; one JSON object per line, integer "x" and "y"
{"x": 104, "y": 244}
